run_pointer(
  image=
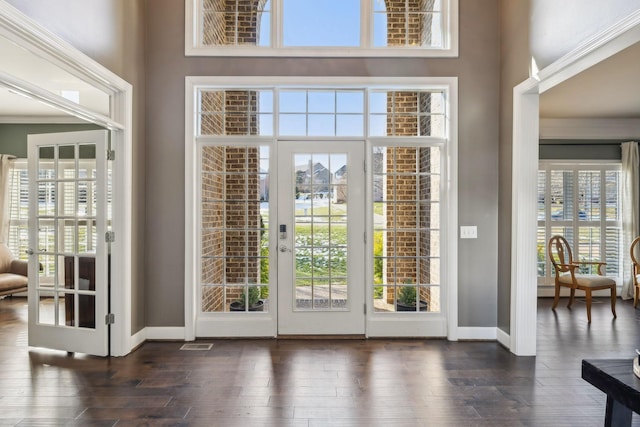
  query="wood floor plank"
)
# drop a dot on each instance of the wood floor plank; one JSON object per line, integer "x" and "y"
{"x": 319, "y": 382}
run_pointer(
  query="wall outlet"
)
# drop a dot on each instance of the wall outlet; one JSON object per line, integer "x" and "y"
{"x": 468, "y": 232}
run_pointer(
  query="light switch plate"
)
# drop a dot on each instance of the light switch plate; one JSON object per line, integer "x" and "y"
{"x": 468, "y": 232}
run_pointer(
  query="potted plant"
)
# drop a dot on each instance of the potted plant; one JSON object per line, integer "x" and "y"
{"x": 253, "y": 298}
{"x": 406, "y": 300}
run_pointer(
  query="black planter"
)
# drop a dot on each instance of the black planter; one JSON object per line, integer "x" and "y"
{"x": 238, "y": 306}
{"x": 403, "y": 307}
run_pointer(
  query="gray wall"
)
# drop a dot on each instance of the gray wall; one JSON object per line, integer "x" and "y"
{"x": 544, "y": 30}
{"x": 478, "y": 69}
{"x": 515, "y": 60}
{"x": 580, "y": 149}
{"x": 112, "y": 33}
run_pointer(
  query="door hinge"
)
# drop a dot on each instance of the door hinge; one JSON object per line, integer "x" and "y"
{"x": 110, "y": 319}
{"x": 364, "y": 166}
{"x": 111, "y": 155}
{"x": 365, "y": 237}
{"x": 365, "y": 308}
{"x": 109, "y": 237}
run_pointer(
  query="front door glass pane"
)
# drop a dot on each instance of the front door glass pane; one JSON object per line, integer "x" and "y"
{"x": 320, "y": 204}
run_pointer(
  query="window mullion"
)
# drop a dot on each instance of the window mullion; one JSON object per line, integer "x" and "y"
{"x": 277, "y": 20}
{"x": 366, "y": 20}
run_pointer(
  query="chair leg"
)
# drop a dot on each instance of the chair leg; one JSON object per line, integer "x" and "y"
{"x": 588, "y": 297}
{"x": 556, "y": 299}
{"x": 635, "y": 296}
{"x": 613, "y": 301}
{"x": 573, "y": 294}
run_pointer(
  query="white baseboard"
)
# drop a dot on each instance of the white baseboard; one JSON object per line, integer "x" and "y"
{"x": 138, "y": 339}
{"x": 473, "y": 333}
{"x": 503, "y": 338}
{"x": 164, "y": 333}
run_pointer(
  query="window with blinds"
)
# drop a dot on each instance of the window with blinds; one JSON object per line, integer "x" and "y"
{"x": 581, "y": 201}
{"x": 19, "y": 209}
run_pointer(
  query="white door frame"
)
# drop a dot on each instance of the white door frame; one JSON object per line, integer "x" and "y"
{"x": 522, "y": 340}
{"x": 27, "y": 33}
{"x": 322, "y": 322}
{"x": 449, "y": 236}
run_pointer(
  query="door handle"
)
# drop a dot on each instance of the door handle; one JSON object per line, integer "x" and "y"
{"x": 283, "y": 248}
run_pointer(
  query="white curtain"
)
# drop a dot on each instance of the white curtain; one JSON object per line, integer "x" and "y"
{"x": 5, "y": 165}
{"x": 630, "y": 200}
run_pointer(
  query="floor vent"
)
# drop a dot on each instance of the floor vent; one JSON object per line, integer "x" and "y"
{"x": 197, "y": 347}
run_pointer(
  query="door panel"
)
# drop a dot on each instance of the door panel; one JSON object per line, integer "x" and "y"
{"x": 321, "y": 238}
{"x": 68, "y": 286}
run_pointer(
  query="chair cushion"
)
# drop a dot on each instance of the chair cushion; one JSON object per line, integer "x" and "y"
{"x": 587, "y": 280}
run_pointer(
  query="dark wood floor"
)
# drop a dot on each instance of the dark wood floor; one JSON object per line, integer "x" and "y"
{"x": 319, "y": 382}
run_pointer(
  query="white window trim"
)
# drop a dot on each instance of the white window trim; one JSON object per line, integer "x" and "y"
{"x": 450, "y": 39}
{"x": 449, "y": 236}
{"x": 574, "y": 165}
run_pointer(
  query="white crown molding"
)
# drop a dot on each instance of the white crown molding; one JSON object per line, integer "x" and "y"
{"x": 593, "y": 50}
{"x": 589, "y": 128}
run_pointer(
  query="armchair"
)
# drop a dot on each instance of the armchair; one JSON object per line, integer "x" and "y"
{"x": 13, "y": 272}
{"x": 567, "y": 275}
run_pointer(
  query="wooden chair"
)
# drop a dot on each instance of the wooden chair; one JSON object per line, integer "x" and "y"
{"x": 568, "y": 276}
{"x": 635, "y": 269}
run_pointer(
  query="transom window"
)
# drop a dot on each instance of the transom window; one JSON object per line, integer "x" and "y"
{"x": 582, "y": 203}
{"x": 322, "y": 112}
{"x": 328, "y": 27}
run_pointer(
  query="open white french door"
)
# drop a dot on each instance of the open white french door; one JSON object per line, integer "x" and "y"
{"x": 68, "y": 226}
{"x": 321, "y": 251}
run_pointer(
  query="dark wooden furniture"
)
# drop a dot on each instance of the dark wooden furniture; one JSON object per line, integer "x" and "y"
{"x": 615, "y": 377}
{"x": 567, "y": 275}
{"x": 87, "y": 281}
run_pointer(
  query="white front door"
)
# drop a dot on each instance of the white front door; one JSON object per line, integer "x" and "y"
{"x": 321, "y": 250}
{"x": 68, "y": 220}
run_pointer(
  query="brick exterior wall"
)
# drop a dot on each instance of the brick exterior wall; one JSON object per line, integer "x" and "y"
{"x": 418, "y": 30}
{"x": 406, "y": 237}
{"x": 231, "y": 22}
{"x": 230, "y": 223}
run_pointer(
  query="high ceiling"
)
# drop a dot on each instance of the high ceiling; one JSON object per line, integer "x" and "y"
{"x": 33, "y": 68}
{"x": 609, "y": 89}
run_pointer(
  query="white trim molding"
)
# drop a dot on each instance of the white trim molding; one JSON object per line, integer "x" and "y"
{"x": 174, "y": 333}
{"x": 525, "y": 166}
{"x": 448, "y": 326}
{"x": 503, "y": 337}
{"x": 477, "y": 333}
